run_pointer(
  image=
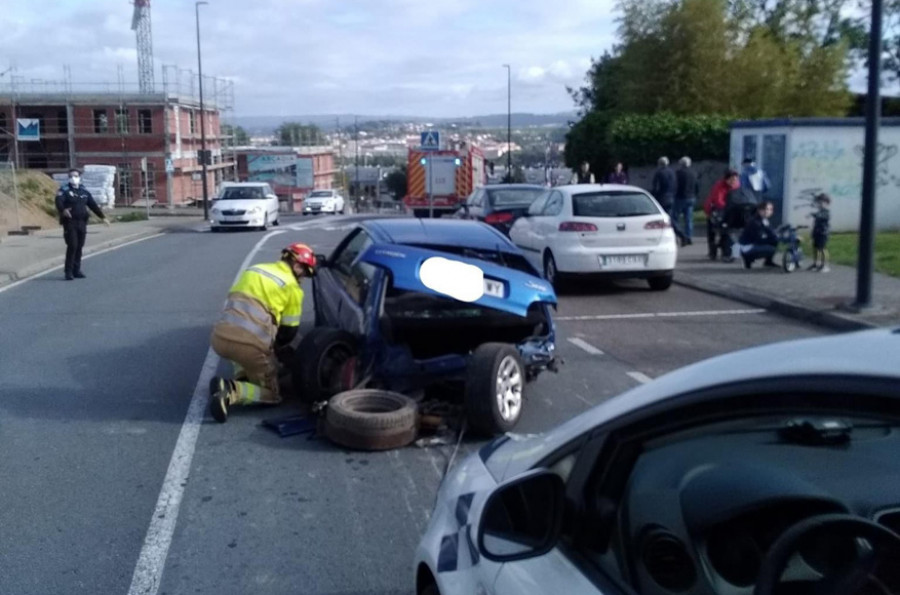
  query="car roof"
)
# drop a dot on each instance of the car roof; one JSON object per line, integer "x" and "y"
{"x": 440, "y": 232}
{"x": 243, "y": 184}
{"x": 514, "y": 187}
{"x": 583, "y": 188}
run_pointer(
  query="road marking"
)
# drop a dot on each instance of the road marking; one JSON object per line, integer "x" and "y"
{"x": 585, "y": 345}
{"x": 85, "y": 257}
{"x": 640, "y": 377}
{"x": 152, "y": 560}
{"x": 664, "y": 315}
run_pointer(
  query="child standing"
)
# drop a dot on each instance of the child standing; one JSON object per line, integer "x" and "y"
{"x": 821, "y": 227}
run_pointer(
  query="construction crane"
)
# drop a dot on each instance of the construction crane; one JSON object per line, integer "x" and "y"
{"x": 140, "y": 24}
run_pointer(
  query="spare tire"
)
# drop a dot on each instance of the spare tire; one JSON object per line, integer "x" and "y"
{"x": 369, "y": 419}
{"x": 324, "y": 364}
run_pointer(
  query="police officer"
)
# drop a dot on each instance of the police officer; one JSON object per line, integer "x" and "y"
{"x": 72, "y": 204}
{"x": 261, "y": 318}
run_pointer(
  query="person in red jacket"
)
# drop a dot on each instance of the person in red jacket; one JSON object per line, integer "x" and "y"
{"x": 714, "y": 207}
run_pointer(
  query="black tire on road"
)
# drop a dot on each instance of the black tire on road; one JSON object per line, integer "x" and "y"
{"x": 482, "y": 387}
{"x": 369, "y": 419}
{"x": 661, "y": 283}
{"x": 318, "y": 361}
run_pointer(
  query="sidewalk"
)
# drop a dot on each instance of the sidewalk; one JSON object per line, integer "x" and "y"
{"x": 819, "y": 298}
{"x": 24, "y": 256}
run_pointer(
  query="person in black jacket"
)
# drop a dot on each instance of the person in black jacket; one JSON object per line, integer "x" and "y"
{"x": 663, "y": 189}
{"x": 758, "y": 239}
{"x": 686, "y": 190}
{"x": 73, "y": 203}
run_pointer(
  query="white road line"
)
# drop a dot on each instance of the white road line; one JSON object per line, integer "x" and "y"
{"x": 640, "y": 377}
{"x": 152, "y": 560}
{"x": 85, "y": 257}
{"x": 663, "y": 315}
{"x": 585, "y": 345}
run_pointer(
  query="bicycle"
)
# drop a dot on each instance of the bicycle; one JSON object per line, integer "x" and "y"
{"x": 793, "y": 252}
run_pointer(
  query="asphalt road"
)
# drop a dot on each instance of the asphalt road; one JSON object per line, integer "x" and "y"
{"x": 96, "y": 377}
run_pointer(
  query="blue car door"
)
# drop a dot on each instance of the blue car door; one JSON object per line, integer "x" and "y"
{"x": 343, "y": 284}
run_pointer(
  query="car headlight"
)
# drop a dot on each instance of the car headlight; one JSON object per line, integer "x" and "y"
{"x": 255, "y": 211}
{"x": 215, "y": 210}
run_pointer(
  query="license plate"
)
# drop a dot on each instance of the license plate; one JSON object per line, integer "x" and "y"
{"x": 235, "y": 219}
{"x": 621, "y": 261}
{"x": 493, "y": 288}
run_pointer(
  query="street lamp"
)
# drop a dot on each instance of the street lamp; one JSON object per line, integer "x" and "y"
{"x": 203, "y": 154}
{"x": 508, "y": 123}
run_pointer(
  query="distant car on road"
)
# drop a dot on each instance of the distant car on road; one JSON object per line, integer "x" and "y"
{"x": 758, "y": 472}
{"x": 323, "y": 201}
{"x": 499, "y": 205}
{"x": 243, "y": 205}
{"x": 598, "y": 229}
{"x": 418, "y": 303}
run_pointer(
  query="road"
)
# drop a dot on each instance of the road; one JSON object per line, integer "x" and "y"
{"x": 96, "y": 378}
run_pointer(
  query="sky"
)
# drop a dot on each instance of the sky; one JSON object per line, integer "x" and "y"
{"x": 430, "y": 58}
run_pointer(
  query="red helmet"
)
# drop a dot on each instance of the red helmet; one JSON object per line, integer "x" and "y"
{"x": 302, "y": 254}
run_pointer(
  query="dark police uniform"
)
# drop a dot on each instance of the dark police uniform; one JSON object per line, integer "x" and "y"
{"x": 78, "y": 201}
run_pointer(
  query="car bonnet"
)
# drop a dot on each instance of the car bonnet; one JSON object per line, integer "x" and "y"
{"x": 405, "y": 264}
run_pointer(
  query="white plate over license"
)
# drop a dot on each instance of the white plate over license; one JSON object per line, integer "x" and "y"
{"x": 623, "y": 261}
{"x": 493, "y": 288}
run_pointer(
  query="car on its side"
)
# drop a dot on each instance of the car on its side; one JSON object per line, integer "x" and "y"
{"x": 753, "y": 472}
{"x": 499, "y": 205}
{"x": 244, "y": 205}
{"x": 323, "y": 201}
{"x": 412, "y": 304}
{"x": 608, "y": 230}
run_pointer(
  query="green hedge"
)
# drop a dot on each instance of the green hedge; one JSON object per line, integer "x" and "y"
{"x": 641, "y": 140}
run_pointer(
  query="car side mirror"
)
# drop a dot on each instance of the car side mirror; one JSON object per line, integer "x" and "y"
{"x": 321, "y": 261}
{"x": 523, "y": 518}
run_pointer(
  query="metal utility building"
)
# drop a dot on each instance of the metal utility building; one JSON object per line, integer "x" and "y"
{"x": 805, "y": 156}
{"x": 71, "y": 129}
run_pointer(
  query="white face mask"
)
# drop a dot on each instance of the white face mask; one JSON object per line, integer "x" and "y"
{"x": 75, "y": 181}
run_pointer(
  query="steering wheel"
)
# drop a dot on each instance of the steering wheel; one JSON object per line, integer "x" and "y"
{"x": 885, "y": 545}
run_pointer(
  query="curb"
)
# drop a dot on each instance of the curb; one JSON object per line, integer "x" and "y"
{"x": 51, "y": 263}
{"x": 824, "y": 318}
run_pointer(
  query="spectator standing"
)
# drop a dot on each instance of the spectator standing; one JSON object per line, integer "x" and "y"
{"x": 686, "y": 190}
{"x": 754, "y": 178}
{"x": 714, "y": 207}
{"x": 617, "y": 175}
{"x": 583, "y": 175}
{"x": 820, "y": 231}
{"x": 663, "y": 189}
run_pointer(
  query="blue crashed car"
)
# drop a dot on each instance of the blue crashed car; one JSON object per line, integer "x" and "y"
{"x": 409, "y": 304}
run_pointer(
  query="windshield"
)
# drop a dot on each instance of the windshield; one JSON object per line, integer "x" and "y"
{"x": 613, "y": 204}
{"x": 245, "y": 193}
{"x": 514, "y": 196}
{"x": 321, "y": 194}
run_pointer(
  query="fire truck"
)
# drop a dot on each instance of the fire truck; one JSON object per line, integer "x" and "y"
{"x": 445, "y": 177}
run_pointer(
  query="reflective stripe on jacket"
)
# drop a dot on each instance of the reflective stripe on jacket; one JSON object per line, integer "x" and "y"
{"x": 265, "y": 297}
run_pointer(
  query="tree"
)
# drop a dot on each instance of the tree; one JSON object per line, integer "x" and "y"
{"x": 294, "y": 134}
{"x": 396, "y": 182}
{"x": 241, "y": 138}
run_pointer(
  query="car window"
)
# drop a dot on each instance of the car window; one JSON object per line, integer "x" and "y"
{"x": 320, "y": 194}
{"x": 268, "y": 190}
{"x": 538, "y": 205}
{"x": 242, "y": 193}
{"x": 356, "y": 277}
{"x": 343, "y": 258}
{"x": 613, "y": 204}
{"x": 476, "y": 199}
{"x": 514, "y": 196}
{"x": 554, "y": 205}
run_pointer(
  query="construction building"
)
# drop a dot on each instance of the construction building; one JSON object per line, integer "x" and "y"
{"x": 152, "y": 138}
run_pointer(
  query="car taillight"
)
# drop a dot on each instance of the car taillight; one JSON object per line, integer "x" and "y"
{"x": 576, "y": 226}
{"x": 658, "y": 224}
{"x": 502, "y": 217}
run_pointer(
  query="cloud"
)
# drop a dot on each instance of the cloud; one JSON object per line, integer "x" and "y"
{"x": 410, "y": 57}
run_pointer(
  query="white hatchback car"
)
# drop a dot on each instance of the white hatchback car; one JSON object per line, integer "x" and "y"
{"x": 323, "y": 201}
{"x": 767, "y": 471}
{"x": 598, "y": 229}
{"x": 244, "y": 205}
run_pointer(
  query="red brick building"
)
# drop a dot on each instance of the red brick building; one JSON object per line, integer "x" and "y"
{"x": 120, "y": 130}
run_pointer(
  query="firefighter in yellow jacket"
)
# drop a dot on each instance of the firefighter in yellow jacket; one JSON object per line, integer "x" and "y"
{"x": 261, "y": 317}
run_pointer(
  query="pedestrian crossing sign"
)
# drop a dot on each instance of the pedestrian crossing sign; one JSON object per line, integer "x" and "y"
{"x": 431, "y": 140}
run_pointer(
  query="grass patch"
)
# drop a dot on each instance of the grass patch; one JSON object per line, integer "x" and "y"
{"x": 130, "y": 217}
{"x": 843, "y": 248}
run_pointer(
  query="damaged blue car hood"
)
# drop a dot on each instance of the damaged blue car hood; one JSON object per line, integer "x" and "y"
{"x": 405, "y": 264}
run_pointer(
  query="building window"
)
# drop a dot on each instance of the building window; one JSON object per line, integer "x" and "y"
{"x": 4, "y": 124}
{"x": 145, "y": 121}
{"x": 148, "y": 182}
{"x": 125, "y": 181}
{"x": 192, "y": 116}
{"x": 101, "y": 121}
{"x": 62, "y": 120}
{"x": 122, "y": 121}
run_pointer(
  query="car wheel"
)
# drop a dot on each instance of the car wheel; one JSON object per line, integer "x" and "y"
{"x": 324, "y": 364}
{"x": 660, "y": 283}
{"x": 277, "y": 221}
{"x": 551, "y": 273}
{"x": 215, "y": 229}
{"x": 430, "y": 589}
{"x": 265, "y": 225}
{"x": 420, "y": 213}
{"x": 495, "y": 385}
{"x": 371, "y": 419}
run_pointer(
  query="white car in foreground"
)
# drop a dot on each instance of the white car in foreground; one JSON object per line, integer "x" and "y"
{"x": 598, "y": 229}
{"x": 768, "y": 471}
{"x": 323, "y": 201}
{"x": 244, "y": 205}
